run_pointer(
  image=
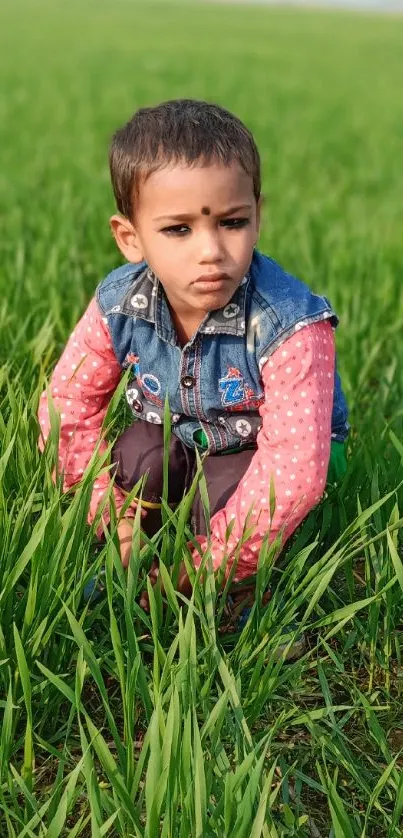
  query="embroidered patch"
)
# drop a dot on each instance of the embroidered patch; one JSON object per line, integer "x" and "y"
{"x": 131, "y": 395}
{"x": 251, "y": 403}
{"x": 243, "y": 428}
{"x": 232, "y": 387}
{"x": 153, "y": 399}
{"x": 236, "y": 394}
{"x": 231, "y": 310}
{"x": 150, "y": 382}
{"x": 154, "y": 418}
{"x": 151, "y": 387}
{"x": 134, "y": 360}
{"x": 139, "y": 301}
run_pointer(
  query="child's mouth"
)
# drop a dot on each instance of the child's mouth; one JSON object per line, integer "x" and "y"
{"x": 212, "y": 282}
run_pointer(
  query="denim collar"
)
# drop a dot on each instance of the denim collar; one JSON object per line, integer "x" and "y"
{"x": 148, "y": 301}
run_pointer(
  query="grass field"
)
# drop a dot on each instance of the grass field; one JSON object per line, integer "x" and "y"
{"x": 120, "y": 724}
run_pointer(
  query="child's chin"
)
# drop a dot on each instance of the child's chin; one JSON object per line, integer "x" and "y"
{"x": 213, "y": 299}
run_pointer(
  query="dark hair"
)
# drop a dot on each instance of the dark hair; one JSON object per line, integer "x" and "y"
{"x": 182, "y": 129}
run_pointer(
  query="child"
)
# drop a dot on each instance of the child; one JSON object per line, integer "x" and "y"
{"x": 244, "y": 352}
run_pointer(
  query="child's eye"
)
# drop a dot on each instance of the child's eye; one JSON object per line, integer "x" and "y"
{"x": 234, "y": 223}
{"x": 176, "y": 230}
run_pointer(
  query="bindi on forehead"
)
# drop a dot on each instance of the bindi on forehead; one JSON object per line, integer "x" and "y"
{"x": 206, "y": 211}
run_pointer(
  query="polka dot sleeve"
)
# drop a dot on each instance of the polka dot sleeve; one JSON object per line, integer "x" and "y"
{"x": 293, "y": 449}
{"x": 81, "y": 386}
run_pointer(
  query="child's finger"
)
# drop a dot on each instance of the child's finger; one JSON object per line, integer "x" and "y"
{"x": 153, "y": 576}
{"x": 154, "y": 573}
{"x": 144, "y": 601}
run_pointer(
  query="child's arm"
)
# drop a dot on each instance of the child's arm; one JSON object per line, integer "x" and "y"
{"x": 82, "y": 384}
{"x": 293, "y": 448}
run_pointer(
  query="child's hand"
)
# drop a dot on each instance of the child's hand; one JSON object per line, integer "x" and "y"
{"x": 183, "y": 586}
{"x": 125, "y": 535}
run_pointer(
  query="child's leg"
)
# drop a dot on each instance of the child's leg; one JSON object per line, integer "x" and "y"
{"x": 222, "y": 472}
{"x": 139, "y": 451}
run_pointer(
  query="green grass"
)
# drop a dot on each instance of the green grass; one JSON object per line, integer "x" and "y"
{"x": 120, "y": 724}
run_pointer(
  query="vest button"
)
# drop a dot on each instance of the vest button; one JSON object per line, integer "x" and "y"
{"x": 138, "y": 406}
{"x": 188, "y": 381}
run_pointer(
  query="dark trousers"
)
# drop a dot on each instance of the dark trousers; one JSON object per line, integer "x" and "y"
{"x": 139, "y": 451}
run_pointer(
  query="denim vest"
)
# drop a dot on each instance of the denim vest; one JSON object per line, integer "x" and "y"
{"x": 213, "y": 384}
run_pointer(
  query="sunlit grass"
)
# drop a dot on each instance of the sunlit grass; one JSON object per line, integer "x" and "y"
{"x": 120, "y": 723}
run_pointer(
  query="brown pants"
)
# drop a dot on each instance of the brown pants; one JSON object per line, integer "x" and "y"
{"x": 139, "y": 451}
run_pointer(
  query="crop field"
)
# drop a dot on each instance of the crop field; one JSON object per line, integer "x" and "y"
{"x": 120, "y": 723}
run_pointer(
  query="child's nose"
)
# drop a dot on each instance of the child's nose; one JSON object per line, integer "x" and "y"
{"x": 210, "y": 247}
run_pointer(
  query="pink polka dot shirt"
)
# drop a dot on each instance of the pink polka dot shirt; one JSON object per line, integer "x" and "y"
{"x": 293, "y": 445}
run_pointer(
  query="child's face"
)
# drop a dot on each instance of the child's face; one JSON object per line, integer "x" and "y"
{"x": 196, "y": 227}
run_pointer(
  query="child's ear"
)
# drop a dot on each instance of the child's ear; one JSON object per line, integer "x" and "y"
{"x": 127, "y": 238}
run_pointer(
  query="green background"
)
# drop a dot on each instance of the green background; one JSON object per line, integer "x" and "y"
{"x": 235, "y": 743}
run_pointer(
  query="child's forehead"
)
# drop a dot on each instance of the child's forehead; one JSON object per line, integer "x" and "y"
{"x": 202, "y": 188}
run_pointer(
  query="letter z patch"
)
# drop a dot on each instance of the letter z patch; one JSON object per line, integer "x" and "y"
{"x": 232, "y": 388}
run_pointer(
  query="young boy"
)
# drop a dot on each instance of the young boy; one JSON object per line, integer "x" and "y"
{"x": 244, "y": 352}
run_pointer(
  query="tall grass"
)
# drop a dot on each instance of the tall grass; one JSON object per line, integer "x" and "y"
{"x": 122, "y": 723}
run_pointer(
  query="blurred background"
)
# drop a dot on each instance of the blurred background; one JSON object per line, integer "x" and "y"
{"x": 321, "y": 89}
